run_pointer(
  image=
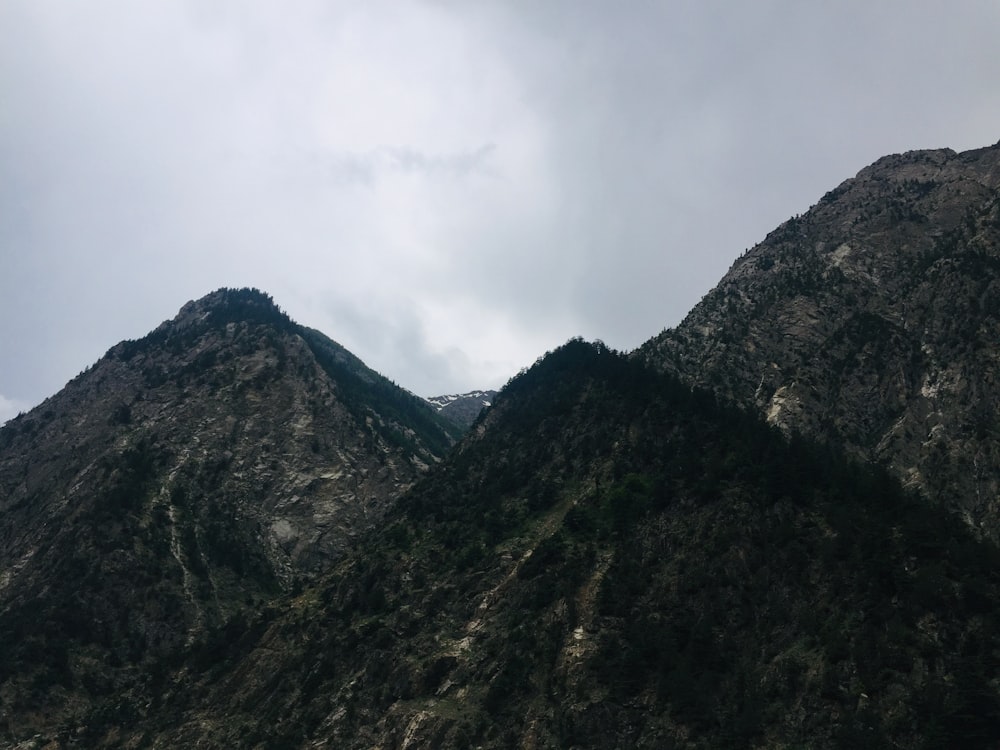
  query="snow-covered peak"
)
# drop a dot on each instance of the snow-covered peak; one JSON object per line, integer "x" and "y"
{"x": 485, "y": 398}
{"x": 462, "y": 408}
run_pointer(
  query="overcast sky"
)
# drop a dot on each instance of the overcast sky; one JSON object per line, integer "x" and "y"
{"x": 448, "y": 189}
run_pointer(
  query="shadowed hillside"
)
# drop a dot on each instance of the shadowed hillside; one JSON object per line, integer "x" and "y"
{"x": 614, "y": 560}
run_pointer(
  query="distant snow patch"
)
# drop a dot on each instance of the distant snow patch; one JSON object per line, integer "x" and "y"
{"x": 440, "y": 402}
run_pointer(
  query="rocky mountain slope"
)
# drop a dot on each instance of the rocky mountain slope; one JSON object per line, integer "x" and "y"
{"x": 223, "y": 459}
{"x": 872, "y": 322}
{"x": 463, "y": 408}
{"x": 233, "y": 534}
{"x": 613, "y": 561}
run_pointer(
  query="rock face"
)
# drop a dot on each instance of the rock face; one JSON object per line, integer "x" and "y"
{"x": 871, "y": 322}
{"x": 228, "y": 456}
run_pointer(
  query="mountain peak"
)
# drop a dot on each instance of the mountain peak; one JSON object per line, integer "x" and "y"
{"x": 228, "y": 456}
{"x": 462, "y": 409}
{"x": 227, "y": 305}
{"x": 234, "y": 298}
{"x": 222, "y": 308}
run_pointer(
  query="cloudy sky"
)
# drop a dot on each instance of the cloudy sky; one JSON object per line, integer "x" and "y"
{"x": 447, "y": 188}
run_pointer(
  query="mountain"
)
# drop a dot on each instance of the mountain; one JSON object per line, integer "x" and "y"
{"x": 233, "y": 534}
{"x": 871, "y": 322}
{"x": 227, "y": 457}
{"x": 462, "y": 409}
{"x": 612, "y": 560}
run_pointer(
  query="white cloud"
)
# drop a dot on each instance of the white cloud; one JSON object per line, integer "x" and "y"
{"x": 446, "y": 188}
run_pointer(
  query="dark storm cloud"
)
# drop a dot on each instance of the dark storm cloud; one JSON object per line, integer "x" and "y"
{"x": 446, "y": 188}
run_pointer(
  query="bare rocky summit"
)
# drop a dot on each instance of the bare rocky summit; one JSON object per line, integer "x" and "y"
{"x": 872, "y": 322}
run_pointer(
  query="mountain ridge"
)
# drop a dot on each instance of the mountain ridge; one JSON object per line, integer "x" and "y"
{"x": 233, "y": 533}
{"x": 612, "y": 559}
